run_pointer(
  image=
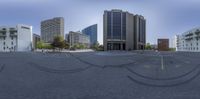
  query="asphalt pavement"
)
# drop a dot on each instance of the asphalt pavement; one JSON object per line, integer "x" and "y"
{"x": 100, "y": 75}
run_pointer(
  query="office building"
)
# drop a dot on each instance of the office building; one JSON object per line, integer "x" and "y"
{"x": 36, "y": 39}
{"x": 154, "y": 46}
{"x": 66, "y": 37}
{"x": 51, "y": 28}
{"x": 17, "y": 38}
{"x": 75, "y": 38}
{"x": 123, "y": 31}
{"x": 91, "y": 31}
{"x": 163, "y": 44}
{"x": 189, "y": 41}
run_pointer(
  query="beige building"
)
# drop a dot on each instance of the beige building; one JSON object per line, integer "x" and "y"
{"x": 123, "y": 31}
{"x": 51, "y": 28}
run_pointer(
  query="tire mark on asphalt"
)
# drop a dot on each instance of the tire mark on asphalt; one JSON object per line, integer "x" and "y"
{"x": 2, "y": 67}
{"x": 100, "y": 66}
{"x": 50, "y": 70}
{"x": 170, "y": 78}
{"x": 119, "y": 66}
{"x": 164, "y": 85}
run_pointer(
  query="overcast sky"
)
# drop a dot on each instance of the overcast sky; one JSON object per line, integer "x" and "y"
{"x": 165, "y": 18}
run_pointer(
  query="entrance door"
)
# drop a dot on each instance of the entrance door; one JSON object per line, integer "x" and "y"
{"x": 116, "y": 46}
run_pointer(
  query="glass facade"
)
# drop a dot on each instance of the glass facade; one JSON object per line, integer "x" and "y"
{"x": 117, "y": 25}
{"x": 124, "y": 26}
{"x": 91, "y": 31}
{"x": 109, "y": 25}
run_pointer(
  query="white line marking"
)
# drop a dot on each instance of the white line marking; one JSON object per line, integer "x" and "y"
{"x": 162, "y": 65}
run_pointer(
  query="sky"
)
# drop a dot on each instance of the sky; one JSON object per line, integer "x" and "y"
{"x": 165, "y": 18}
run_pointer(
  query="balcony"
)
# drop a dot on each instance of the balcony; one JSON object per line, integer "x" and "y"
{"x": 197, "y": 32}
{"x": 13, "y": 34}
{"x": 189, "y": 34}
{"x": 2, "y": 34}
{"x": 188, "y": 38}
{"x": 197, "y": 37}
{"x": 3, "y": 31}
{"x": 13, "y": 30}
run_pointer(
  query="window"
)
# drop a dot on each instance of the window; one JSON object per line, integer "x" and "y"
{"x": 12, "y": 42}
{"x": 4, "y": 43}
{"x": 109, "y": 25}
{"x": 124, "y": 26}
{"x": 116, "y": 25}
{"x": 23, "y": 27}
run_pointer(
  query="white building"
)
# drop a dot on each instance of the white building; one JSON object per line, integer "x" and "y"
{"x": 189, "y": 41}
{"x": 17, "y": 38}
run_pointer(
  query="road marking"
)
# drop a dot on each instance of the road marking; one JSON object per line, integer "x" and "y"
{"x": 162, "y": 65}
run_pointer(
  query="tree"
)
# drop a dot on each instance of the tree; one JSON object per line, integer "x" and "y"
{"x": 48, "y": 46}
{"x": 95, "y": 46}
{"x": 66, "y": 45}
{"x": 148, "y": 46}
{"x": 40, "y": 45}
{"x": 58, "y": 42}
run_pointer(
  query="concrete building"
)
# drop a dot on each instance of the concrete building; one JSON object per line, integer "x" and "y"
{"x": 163, "y": 44}
{"x": 75, "y": 38}
{"x": 189, "y": 41}
{"x": 66, "y": 37}
{"x": 123, "y": 31}
{"x": 36, "y": 39}
{"x": 154, "y": 46}
{"x": 51, "y": 28}
{"x": 17, "y": 38}
{"x": 91, "y": 31}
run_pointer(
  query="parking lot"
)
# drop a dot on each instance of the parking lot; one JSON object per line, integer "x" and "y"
{"x": 100, "y": 75}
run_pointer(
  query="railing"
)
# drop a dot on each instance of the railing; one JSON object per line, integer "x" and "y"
{"x": 189, "y": 38}
{"x": 197, "y": 32}
{"x": 13, "y": 34}
{"x": 2, "y": 34}
{"x": 13, "y": 30}
{"x": 190, "y": 34}
{"x": 197, "y": 37}
{"x": 2, "y": 31}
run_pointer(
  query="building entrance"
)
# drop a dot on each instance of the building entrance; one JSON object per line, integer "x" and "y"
{"x": 116, "y": 46}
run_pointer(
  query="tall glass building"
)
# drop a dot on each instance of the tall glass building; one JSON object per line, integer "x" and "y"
{"x": 91, "y": 31}
{"x": 123, "y": 31}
